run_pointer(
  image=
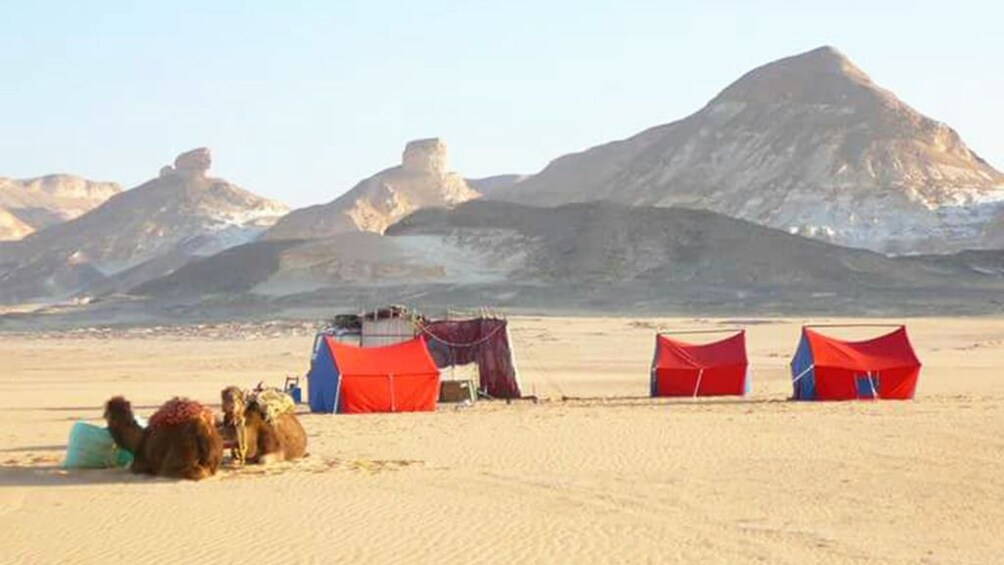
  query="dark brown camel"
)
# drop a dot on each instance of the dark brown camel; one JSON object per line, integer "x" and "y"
{"x": 246, "y": 426}
{"x": 181, "y": 441}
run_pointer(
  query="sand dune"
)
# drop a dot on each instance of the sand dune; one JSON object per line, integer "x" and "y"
{"x": 603, "y": 476}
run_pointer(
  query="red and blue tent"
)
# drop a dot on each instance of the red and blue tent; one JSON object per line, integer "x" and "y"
{"x": 710, "y": 369}
{"x": 826, "y": 368}
{"x": 348, "y": 379}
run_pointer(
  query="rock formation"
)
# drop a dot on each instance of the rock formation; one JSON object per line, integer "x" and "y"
{"x": 420, "y": 181}
{"x": 190, "y": 164}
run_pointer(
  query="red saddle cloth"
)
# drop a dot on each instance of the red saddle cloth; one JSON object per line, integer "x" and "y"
{"x": 178, "y": 411}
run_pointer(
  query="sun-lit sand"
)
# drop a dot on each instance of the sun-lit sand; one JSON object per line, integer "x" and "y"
{"x": 605, "y": 475}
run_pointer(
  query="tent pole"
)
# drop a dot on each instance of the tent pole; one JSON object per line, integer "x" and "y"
{"x": 393, "y": 404}
{"x": 871, "y": 381}
{"x": 698, "y": 385}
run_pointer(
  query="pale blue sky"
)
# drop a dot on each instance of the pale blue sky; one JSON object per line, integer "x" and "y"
{"x": 300, "y": 100}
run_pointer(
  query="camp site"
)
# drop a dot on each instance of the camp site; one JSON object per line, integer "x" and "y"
{"x": 550, "y": 282}
{"x": 453, "y": 411}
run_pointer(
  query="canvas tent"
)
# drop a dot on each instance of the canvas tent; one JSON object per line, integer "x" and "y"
{"x": 347, "y": 379}
{"x": 825, "y": 368}
{"x": 484, "y": 341}
{"x": 718, "y": 368}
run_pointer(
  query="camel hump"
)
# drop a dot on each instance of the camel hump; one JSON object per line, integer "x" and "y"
{"x": 178, "y": 411}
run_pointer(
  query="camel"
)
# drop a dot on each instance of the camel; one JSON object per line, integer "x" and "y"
{"x": 262, "y": 426}
{"x": 179, "y": 442}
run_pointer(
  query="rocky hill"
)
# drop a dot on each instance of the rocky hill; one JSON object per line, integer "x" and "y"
{"x": 808, "y": 145}
{"x": 590, "y": 256}
{"x": 28, "y": 205}
{"x": 181, "y": 214}
{"x": 420, "y": 181}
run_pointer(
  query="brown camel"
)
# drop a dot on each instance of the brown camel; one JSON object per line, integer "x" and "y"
{"x": 261, "y": 433}
{"x": 179, "y": 442}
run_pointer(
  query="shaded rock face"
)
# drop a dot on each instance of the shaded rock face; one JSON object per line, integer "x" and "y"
{"x": 420, "y": 181}
{"x": 585, "y": 257}
{"x": 808, "y": 144}
{"x": 994, "y": 237}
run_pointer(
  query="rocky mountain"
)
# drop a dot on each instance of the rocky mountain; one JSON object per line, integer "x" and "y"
{"x": 150, "y": 229}
{"x": 420, "y": 181}
{"x": 809, "y": 145}
{"x": 589, "y": 256}
{"x": 28, "y": 205}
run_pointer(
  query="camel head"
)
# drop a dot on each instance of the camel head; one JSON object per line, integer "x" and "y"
{"x": 118, "y": 412}
{"x": 234, "y": 405}
{"x": 122, "y": 423}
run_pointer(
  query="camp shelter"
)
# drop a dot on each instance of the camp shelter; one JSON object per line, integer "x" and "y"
{"x": 348, "y": 379}
{"x": 826, "y": 368}
{"x": 484, "y": 341}
{"x": 387, "y": 325}
{"x": 718, "y": 368}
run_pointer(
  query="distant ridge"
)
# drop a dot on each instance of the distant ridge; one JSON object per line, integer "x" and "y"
{"x": 182, "y": 213}
{"x": 578, "y": 257}
{"x": 28, "y": 205}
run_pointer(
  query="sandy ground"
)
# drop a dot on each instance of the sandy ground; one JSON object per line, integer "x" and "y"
{"x": 612, "y": 479}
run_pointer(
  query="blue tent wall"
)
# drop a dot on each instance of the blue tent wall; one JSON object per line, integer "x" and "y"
{"x": 322, "y": 380}
{"x": 805, "y": 387}
{"x": 652, "y": 386}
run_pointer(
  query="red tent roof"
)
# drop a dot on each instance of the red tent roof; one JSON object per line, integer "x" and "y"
{"x": 673, "y": 354}
{"x": 710, "y": 369}
{"x": 395, "y": 378}
{"x": 890, "y": 351}
{"x": 406, "y": 358}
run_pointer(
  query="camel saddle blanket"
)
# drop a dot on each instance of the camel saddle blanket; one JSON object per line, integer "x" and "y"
{"x": 272, "y": 403}
{"x": 178, "y": 411}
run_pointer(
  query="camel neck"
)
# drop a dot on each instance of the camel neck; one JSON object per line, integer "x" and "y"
{"x": 127, "y": 436}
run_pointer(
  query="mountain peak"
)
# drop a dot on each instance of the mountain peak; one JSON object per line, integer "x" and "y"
{"x": 821, "y": 76}
{"x": 808, "y": 144}
{"x": 824, "y": 53}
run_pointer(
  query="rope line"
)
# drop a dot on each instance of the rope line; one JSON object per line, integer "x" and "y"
{"x": 475, "y": 343}
{"x": 802, "y": 374}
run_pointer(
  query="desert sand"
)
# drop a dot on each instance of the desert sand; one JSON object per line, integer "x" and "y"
{"x": 593, "y": 472}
